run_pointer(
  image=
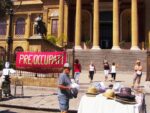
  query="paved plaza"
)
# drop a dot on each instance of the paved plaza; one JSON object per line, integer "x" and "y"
{"x": 45, "y": 98}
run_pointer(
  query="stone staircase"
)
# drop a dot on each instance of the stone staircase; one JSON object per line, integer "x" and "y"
{"x": 125, "y": 59}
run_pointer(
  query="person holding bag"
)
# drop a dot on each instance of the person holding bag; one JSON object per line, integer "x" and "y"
{"x": 137, "y": 73}
{"x": 64, "y": 89}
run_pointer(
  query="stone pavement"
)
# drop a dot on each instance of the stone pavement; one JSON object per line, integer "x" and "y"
{"x": 45, "y": 98}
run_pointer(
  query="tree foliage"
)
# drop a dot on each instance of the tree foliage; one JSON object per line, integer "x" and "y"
{"x": 4, "y": 6}
{"x": 60, "y": 41}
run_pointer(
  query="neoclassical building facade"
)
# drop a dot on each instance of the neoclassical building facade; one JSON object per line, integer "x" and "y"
{"x": 103, "y": 24}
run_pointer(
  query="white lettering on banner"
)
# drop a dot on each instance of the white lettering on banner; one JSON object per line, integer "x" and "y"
{"x": 29, "y": 60}
{"x": 21, "y": 58}
{"x": 41, "y": 59}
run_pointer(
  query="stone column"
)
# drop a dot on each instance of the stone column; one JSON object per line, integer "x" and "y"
{"x": 66, "y": 9}
{"x": 28, "y": 26}
{"x": 78, "y": 25}
{"x": 61, "y": 20}
{"x": 134, "y": 21}
{"x": 96, "y": 25}
{"x": 116, "y": 25}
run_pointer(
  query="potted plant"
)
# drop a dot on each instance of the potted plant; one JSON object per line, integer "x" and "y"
{"x": 87, "y": 44}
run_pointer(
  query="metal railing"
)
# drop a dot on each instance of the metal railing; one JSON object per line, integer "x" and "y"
{"x": 32, "y": 74}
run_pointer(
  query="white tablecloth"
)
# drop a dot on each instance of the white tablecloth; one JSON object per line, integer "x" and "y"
{"x": 100, "y": 104}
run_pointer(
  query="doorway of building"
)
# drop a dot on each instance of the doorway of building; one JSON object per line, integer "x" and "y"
{"x": 105, "y": 30}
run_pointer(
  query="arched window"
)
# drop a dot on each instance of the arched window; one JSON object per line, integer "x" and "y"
{"x": 20, "y": 26}
{"x": 2, "y": 26}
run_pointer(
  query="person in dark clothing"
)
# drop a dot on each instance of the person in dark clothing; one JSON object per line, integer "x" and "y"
{"x": 106, "y": 70}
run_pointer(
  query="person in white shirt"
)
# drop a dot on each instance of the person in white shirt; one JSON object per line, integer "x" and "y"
{"x": 5, "y": 79}
{"x": 92, "y": 70}
{"x": 113, "y": 71}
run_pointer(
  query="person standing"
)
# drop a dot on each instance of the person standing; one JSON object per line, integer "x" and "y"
{"x": 92, "y": 70}
{"x": 5, "y": 78}
{"x": 77, "y": 70}
{"x": 106, "y": 69}
{"x": 137, "y": 73}
{"x": 64, "y": 89}
{"x": 113, "y": 71}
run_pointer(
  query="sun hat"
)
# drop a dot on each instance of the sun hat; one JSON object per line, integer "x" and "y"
{"x": 109, "y": 94}
{"x": 92, "y": 91}
{"x": 126, "y": 92}
{"x": 125, "y": 96}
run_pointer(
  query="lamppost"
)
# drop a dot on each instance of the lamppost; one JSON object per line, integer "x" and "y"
{"x": 10, "y": 12}
{"x": 10, "y": 39}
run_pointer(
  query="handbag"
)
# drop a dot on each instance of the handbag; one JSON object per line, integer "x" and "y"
{"x": 74, "y": 92}
{"x": 139, "y": 72}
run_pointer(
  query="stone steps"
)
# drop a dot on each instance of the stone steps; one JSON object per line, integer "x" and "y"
{"x": 124, "y": 58}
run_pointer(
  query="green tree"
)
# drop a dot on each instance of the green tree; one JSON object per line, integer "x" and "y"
{"x": 4, "y": 6}
{"x": 57, "y": 40}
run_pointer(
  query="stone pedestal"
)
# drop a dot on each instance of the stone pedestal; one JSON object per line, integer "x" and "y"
{"x": 38, "y": 44}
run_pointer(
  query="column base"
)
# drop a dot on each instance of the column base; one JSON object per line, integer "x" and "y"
{"x": 116, "y": 48}
{"x": 135, "y": 48}
{"x": 77, "y": 48}
{"x": 96, "y": 48}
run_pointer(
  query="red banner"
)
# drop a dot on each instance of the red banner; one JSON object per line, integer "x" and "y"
{"x": 41, "y": 62}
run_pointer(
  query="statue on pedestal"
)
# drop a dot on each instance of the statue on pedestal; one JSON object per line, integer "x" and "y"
{"x": 40, "y": 26}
